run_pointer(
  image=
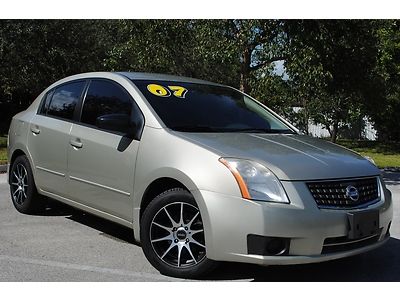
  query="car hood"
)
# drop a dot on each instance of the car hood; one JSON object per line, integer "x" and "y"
{"x": 289, "y": 156}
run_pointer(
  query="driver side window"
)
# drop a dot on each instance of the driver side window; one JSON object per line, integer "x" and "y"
{"x": 105, "y": 98}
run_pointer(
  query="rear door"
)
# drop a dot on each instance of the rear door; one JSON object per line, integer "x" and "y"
{"x": 48, "y": 138}
{"x": 101, "y": 162}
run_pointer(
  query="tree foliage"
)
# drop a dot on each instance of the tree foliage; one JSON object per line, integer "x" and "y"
{"x": 337, "y": 71}
{"x": 35, "y": 53}
{"x": 330, "y": 65}
{"x": 383, "y": 96}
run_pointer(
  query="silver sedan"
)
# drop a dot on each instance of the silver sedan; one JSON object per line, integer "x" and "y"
{"x": 200, "y": 171}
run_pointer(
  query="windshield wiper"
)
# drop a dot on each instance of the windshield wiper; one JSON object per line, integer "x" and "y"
{"x": 194, "y": 128}
{"x": 204, "y": 128}
{"x": 260, "y": 130}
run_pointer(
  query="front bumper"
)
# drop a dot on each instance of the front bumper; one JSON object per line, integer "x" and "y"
{"x": 228, "y": 221}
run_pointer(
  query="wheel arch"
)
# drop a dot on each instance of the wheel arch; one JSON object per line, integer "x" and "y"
{"x": 157, "y": 187}
{"x": 164, "y": 179}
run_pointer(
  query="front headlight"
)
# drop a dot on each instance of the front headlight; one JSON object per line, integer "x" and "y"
{"x": 255, "y": 181}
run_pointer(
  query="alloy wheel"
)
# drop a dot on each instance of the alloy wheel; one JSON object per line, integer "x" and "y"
{"x": 19, "y": 184}
{"x": 177, "y": 235}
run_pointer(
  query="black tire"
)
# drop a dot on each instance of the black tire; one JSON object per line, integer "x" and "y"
{"x": 22, "y": 187}
{"x": 193, "y": 262}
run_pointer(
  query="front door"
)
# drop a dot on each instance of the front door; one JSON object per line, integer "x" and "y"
{"x": 101, "y": 162}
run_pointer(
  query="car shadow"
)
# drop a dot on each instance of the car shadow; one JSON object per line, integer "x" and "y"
{"x": 382, "y": 264}
{"x": 55, "y": 208}
{"x": 106, "y": 228}
{"x": 391, "y": 177}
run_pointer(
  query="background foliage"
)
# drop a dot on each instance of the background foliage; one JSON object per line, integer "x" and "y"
{"x": 337, "y": 71}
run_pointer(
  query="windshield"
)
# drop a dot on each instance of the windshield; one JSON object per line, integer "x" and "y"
{"x": 193, "y": 107}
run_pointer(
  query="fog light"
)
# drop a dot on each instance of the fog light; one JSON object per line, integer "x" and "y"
{"x": 276, "y": 246}
{"x": 267, "y": 246}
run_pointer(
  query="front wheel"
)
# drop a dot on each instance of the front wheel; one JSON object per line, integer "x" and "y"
{"x": 172, "y": 235}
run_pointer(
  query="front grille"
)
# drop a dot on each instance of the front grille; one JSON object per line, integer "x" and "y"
{"x": 333, "y": 193}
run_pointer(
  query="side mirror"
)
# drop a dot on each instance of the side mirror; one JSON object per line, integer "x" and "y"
{"x": 116, "y": 122}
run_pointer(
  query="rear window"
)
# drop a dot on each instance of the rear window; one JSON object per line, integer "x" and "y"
{"x": 196, "y": 107}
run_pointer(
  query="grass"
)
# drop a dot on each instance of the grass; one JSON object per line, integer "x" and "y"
{"x": 3, "y": 149}
{"x": 384, "y": 154}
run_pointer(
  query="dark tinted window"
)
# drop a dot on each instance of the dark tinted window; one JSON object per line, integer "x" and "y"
{"x": 105, "y": 98}
{"x": 45, "y": 102}
{"x": 65, "y": 99}
{"x": 196, "y": 107}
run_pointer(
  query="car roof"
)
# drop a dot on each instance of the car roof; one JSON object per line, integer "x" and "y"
{"x": 165, "y": 77}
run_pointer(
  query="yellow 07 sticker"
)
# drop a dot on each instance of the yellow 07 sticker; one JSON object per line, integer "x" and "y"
{"x": 179, "y": 91}
{"x": 160, "y": 91}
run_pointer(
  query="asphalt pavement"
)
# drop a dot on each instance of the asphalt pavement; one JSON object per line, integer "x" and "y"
{"x": 64, "y": 244}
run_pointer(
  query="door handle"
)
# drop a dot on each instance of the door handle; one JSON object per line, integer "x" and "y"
{"x": 35, "y": 129}
{"x": 76, "y": 143}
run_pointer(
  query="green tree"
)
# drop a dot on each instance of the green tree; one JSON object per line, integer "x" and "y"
{"x": 330, "y": 63}
{"x": 35, "y": 53}
{"x": 257, "y": 44}
{"x": 383, "y": 105}
{"x": 229, "y": 51}
{"x": 337, "y": 70}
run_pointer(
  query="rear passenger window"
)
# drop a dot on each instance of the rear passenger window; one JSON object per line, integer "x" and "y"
{"x": 45, "y": 103}
{"x": 105, "y": 98}
{"x": 65, "y": 99}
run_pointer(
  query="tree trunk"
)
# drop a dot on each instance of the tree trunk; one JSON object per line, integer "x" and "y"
{"x": 245, "y": 70}
{"x": 243, "y": 82}
{"x": 334, "y": 132}
{"x": 305, "y": 117}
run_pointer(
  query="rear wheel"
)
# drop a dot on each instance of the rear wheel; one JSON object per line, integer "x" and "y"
{"x": 22, "y": 187}
{"x": 172, "y": 235}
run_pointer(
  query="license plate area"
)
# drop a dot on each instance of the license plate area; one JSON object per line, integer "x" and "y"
{"x": 363, "y": 224}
